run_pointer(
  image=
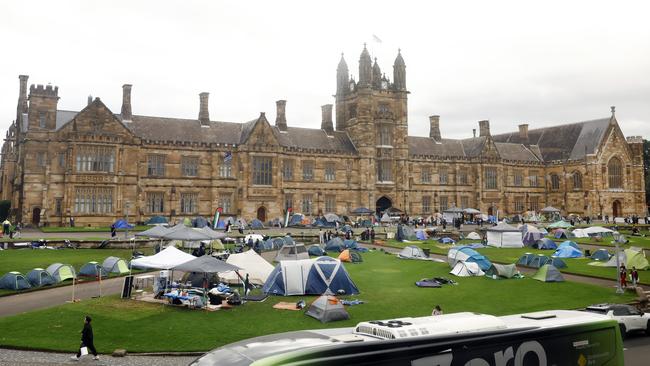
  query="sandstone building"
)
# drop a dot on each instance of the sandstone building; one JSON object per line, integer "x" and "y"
{"x": 96, "y": 165}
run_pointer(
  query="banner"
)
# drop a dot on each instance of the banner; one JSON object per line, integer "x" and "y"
{"x": 286, "y": 219}
{"x": 215, "y": 221}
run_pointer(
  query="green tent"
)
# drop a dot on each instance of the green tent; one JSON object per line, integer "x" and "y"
{"x": 548, "y": 273}
{"x": 497, "y": 271}
{"x": 635, "y": 259}
{"x": 559, "y": 225}
{"x": 187, "y": 222}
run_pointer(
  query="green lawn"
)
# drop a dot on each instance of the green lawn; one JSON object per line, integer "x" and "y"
{"x": 577, "y": 266}
{"x": 24, "y": 260}
{"x": 386, "y": 284}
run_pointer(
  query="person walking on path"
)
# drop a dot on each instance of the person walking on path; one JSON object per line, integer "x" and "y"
{"x": 634, "y": 275}
{"x": 623, "y": 276}
{"x": 113, "y": 231}
{"x": 87, "y": 340}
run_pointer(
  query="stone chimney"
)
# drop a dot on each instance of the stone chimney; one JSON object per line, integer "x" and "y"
{"x": 127, "y": 116}
{"x": 204, "y": 114}
{"x": 523, "y": 131}
{"x": 280, "y": 115}
{"x": 22, "y": 97}
{"x": 327, "y": 123}
{"x": 484, "y": 128}
{"x": 90, "y": 99}
{"x": 474, "y": 132}
{"x": 434, "y": 131}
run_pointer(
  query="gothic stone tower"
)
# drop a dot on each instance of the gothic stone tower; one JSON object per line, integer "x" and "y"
{"x": 374, "y": 113}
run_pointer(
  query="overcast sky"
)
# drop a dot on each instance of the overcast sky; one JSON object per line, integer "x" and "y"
{"x": 510, "y": 62}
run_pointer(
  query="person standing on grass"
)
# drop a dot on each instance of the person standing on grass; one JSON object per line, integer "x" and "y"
{"x": 87, "y": 340}
{"x": 113, "y": 231}
{"x": 623, "y": 276}
{"x": 247, "y": 286}
{"x": 634, "y": 275}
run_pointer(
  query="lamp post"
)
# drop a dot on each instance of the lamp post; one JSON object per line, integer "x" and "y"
{"x": 617, "y": 240}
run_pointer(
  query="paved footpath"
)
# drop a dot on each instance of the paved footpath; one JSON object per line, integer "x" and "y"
{"x": 32, "y": 358}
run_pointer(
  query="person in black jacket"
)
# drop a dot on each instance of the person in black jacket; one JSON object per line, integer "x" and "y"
{"x": 87, "y": 340}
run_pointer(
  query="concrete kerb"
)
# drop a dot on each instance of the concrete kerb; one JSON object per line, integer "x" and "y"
{"x": 150, "y": 354}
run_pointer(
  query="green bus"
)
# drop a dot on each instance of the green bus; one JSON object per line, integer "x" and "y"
{"x": 549, "y": 338}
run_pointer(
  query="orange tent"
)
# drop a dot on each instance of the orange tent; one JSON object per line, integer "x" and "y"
{"x": 345, "y": 256}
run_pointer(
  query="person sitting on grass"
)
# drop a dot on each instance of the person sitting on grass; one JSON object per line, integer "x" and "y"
{"x": 437, "y": 310}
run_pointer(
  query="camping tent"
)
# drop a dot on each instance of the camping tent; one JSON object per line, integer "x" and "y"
{"x": 446, "y": 240}
{"x": 292, "y": 252}
{"x": 560, "y": 225}
{"x": 538, "y": 261}
{"x": 296, "y": 219}
{"x": 504, "y": 236}
{"x": 331, "y": 217}
{"x": 272, "y": 243}
{"x": 569, "y": 243}
{"x": 327, "y": 309}
{"x": 14, "y": 281}
{"x": 629, "y": 257}
{"x": 558, "y": 263}
{"x": 154, "y": 232}
{"x": 548, "y": 273}
{"x": 122, "y": 224}
{"x": 598, "y": 231}
{"x": 256, "y": 224}
{"x": 567, "y": 251}
{"x": 525, "y": 259}
{"x": 474, "y": 236}
{"x": 421, "y": 234}
{"x": 115, "y": 265}
{"x": 466, "y": 269}
{"x": 562, "y": 234}
{"x": 600, "y": 255}
{"x": 350, "y": 244}
{"x": 408, "y": 232}
{"x": 199, "y": 222}
{"x": 530, "y": 234}
{"x": 92, "y": 269}
{"x": 413, "y": 252}
{"x": 316, "y": 251}
{"x": 165, "y": 259}
{"x": 362, "y": 211}
{"x": 549, "y": 209}
{"x": 467, "y": 254}
{"x": 38, "y": 277}
{"x": 251, "y": 263}
{"x": 61, "y": 272}
{"x": 156, "y": 220}
{"x": 335, "y": 244}
{"x": 318, "y": 276}
{"x": 501, "y": 270}
{"x": 255, "y": 237}
{"x": 579, "y": 233}
{"x": 350, "y": 256}
{"x": 545, "y": 243}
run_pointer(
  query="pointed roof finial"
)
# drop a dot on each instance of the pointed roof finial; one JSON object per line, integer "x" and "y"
{"x": 364, "y": 45}
{"x": 613, "y": 109}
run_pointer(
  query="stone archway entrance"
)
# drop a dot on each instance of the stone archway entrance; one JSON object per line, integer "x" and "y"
{"x": 616, "y": 209}
{"x": 261, "y": 213}
{"x": 36, "y": 216}
{"x": 383, "y": 204}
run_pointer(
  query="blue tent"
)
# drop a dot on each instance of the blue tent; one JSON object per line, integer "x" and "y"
{"x": 316, "y": 251}
{"x": 525, "y": 259}
{"x": 272, "y": 244}
{"x": 256, "y": 224}
{"x": 562, "y": 234}
{"x": 350, "y": 244}
{"x": 329, "y": 276}
{"x": 467, "y": 254}
{"x": 558, "y": 263}
{"x": 156, "y": 220}
{"x": 321, "y": 222}
{"x": 545, "y": 243}
{"x": 38, "y": 277}
{"x": 421, "y": 235}
{"x": 122, "y": 224}
{"x": 538, "y": 261}
{"x": 296, "y": 219}
{"x": 600, "y": 255}
{"x": 567, "y": 252}
{"x": 199, "y": 222}
{"x": 288, "y": 240}
{"x": 14, "y": 281}
{"x": 446, "y": 240}
{"x": 92, "y": 269}
{"x": 569, "y": 243}
{"x": 335, "y": 244}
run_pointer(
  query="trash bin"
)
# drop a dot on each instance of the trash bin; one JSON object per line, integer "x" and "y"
{"x": 426, "y": 252}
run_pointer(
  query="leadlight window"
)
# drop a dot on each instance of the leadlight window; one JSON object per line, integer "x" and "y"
{"x": 40, "y": 159}
{"x": 190, "y": 166}
{"x": 490, "y": 178}
{"x": 307, "y": 204}
{"x": 385, "y": 136}
{"x": 518, "y": 178}
{"x": 330, "y": 172}
{"x": 41, "y": 120}
{"x": 425, "y": 175}
{"x": 95, "y": 159}
{"x": 62, "y": 160}
{"x": 58, "y": 206}
{"x": 443, "y": 175}
{"x": 555, "y": 182}
{"x": 444, "y": 203}
{"x": 189, "y": 203}
{"x": 577, "y": 180}
{"x": 330, "y": 203}
{"x": 93, "y": 200}
{"x": 225, "y": 202}
{"x": 384, "y": 171}
{"x": 519, "y": 204}
{"x": 307, "y": 170}
{"x": 532, "y": 179}
{"x": 615, "y": 173}
{"x": 464, "y": 202}
{"x": 462, "y": 176}
{"x": 262, "y": 171}
{"x": 287, "y": 169}
{"x": 534, "y": 203}
{"x": 155, "y": 202}
{"x": 225, "y": 169}
{"x": 426, "y": 204}
{"x": 288, "y": 201}
{"x": 155, "y": 165}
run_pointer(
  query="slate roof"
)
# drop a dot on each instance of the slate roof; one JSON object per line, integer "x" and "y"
{"x": 428, "y": 146}
{"x": 569, "y": 141}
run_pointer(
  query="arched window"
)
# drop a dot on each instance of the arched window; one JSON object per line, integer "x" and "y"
{"x": 555, "y": 182}
{"x": 615, "y": 173}
{"x": 577, "y": 180}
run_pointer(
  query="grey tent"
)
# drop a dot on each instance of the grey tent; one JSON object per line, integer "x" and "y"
{"x": 14, "y": 281}
{"x": 115, "y": 265}
{"x": 292, "y": 252}
{"x": 548, "y": 273}
{"x": 206, "y": 264}
{"x": 256, "y": 224}
{"x": 92, "y": 269}
{"x": 362, "y": 211}
{"x": 38, "y": 277}
{"x": 600, "y": 255}
{"x": 199, "y": 222}
{"x": 327, "y": 309}
{"x": 538, "y": 261}
{"x": 316, "y": 250}
{"x": 549, "y": 209}
{"x": 186, "y": 234}
{"x": 501, "y": 271}
{"x": 154, "y": 232}
{"x": 409, "y": 233}
{"x": 413, "y": 252}
{"x": 61, "y": 272}
{"x": 558, "y": 263}
{"x": 525, "y": 259}
{"x": 335, "y": 244}
{"x": 330, "y": 217}
{"x": 212, "y": 234}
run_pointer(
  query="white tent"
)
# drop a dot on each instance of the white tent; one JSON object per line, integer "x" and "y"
{"x": 580, "y": 233}
{"x": 165, "y": 259}
{"x": 504, "y": 236}
{"x": 252, "y": 264}
{"x": 474, "y": 236}
{"x": 255, "y": 238}
{"x": 466, "y": 269}
{"x": 595, "y": 230}
{"x": 292, "y": 252}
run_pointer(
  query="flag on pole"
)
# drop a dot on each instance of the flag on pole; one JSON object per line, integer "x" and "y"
{"x": 286, "y": 218}
{"x": 215, "y": 221}
{"x": 227, "y": 157}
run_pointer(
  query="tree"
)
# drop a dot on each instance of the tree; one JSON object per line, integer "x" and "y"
{"x": 5, "y": 206}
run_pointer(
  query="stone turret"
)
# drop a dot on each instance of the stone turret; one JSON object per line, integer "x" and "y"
{"x": 399, "y": 72}
{"x": 342, "y": 79}
{"x": 365, "y": 69}
{"x": 434, "y": 131}
{"x": 43, "y": 102}
{"x": 127, "y": 114}
{"x": 280, "y": 115}
{"x": 204, "y": 114}
{"x": 326, "y": 123}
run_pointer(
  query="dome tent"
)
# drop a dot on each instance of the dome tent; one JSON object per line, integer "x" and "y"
{"x": 350, "y": 256}
{"x": 38, "y": 277}
{"x": 327, "y": 309}
{"x": 467, "y": 254}
{"x": 413, "y": 252}
{"x": 292, "y": 251}
{"x": 545, "y": 243}
{"x": 14, "y": 281}
{"x": 324, "y": 275}
{"x": 567, "y": 251}
{"x": 115, "y": 265}
{"x": 61, "y": 272}
{"x": 335, "y": 244}
{"x": 316, "y": 251}
{"x": 600, "y": 255}
{"x": 548, "y": 273}
{"x": 250, "y": 263}
{"x": 92, "y": 269}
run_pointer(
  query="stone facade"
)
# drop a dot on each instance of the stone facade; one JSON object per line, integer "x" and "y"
{"x": 97, "y": 166}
